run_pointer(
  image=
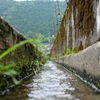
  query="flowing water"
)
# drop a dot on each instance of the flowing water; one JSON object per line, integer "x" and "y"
{"x": 53, "y": 82}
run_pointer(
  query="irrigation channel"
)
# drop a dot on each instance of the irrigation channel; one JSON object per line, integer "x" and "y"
{"x": 53, "y": 82}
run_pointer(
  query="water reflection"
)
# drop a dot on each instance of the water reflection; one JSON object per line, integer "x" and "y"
{"x": 52, "y": 83}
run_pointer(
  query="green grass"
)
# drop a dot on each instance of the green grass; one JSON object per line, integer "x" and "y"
{"x": 7, "y": 70}
{"x": 17, "y": 45}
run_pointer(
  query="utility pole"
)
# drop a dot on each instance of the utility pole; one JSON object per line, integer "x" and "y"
{"x": 56, "y": 17}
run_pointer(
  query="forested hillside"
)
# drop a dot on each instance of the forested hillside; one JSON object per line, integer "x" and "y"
{"x": 31, "y": 18}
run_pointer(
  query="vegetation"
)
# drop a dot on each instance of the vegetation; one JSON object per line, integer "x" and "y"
{"x": 98, "y": 85}
{"x": 31, "y": 18}
{"x": 68, "y": 51}
{"x": 9, "y": 69}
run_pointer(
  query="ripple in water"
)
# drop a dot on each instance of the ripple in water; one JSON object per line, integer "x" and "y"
{"x": 53, "y": 82}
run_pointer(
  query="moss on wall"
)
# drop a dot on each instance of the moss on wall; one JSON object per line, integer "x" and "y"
{"x": 59, "y": 46}
{"x": 80, "y": 17}
{"x": 84, "y": 22}
{"x": 23, "y": 56}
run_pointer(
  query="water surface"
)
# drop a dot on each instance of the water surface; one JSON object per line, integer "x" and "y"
{"x": 53, "y": 82}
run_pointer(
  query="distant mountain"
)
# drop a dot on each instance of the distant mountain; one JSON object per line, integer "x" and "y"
{"x": 31, "y": 18}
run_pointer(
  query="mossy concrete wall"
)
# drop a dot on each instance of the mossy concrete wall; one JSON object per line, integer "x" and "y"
{"x": 23, "y": 56}
{"x": 59, "y": 45}
{"x": 98, "y": 18}
{"x": 80, "y": 26}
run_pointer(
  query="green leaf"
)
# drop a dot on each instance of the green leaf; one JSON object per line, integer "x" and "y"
{"x": 15, "y": 80}
{"x": 7, "y": 67}
{"x": 18, "y": 45}
{"x": 10, "y": 72}
{"x": 98, "y": 85}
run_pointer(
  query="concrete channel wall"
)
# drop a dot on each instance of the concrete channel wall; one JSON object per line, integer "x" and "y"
{"x": 23, "y": 56}
{"x": 81, "y": 25}
{"x": 87, "y": 62}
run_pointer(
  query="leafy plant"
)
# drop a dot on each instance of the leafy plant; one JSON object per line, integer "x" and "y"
{"x": 16, "y": 46}
{"x": 7, "y": 70}
{"x": 59, "y": 55}
{"x": 37, "y": 64}
{"x": 98, "y": 85}
{"x": 42, "y": 48}
{"x": 69, "y": 51}
{"x": 53, "y": 57}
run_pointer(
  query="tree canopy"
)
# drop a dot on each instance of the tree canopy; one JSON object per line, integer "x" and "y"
{"x": 30, "y": 18}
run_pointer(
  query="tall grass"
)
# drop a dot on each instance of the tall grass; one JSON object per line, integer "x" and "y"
{"x": 7, "y": 70}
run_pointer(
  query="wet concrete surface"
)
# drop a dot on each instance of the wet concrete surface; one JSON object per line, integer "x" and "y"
{"x": 53, "y": 82}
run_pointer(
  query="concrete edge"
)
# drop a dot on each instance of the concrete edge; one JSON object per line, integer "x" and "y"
{"x": 86, "y": 64}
